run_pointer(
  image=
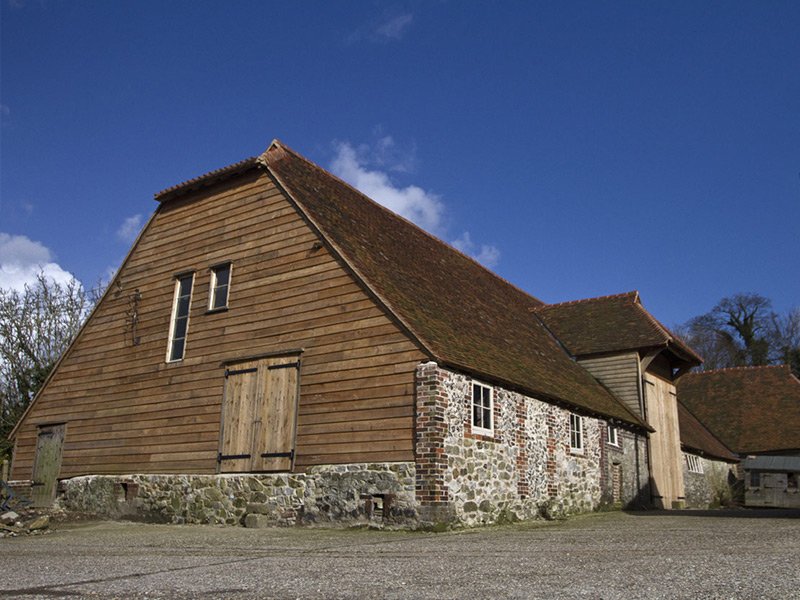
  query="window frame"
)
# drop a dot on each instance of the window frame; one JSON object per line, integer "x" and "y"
{"x": 576, "y": 433}
{"x": 694, "y": 464}
{"x": 212, "y": 287}
{"x": 610, "y": 429}
{"x": 173, "y": 321}
{"x": 479, "y": 428}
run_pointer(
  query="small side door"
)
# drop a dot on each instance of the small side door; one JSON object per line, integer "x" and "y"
{"x": 47, "y": 464}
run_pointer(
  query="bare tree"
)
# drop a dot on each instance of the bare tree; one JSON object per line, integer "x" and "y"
{"x": 36, "y": 326}
{"x": 785, "y": 336}
{"x": 743, "y": 330}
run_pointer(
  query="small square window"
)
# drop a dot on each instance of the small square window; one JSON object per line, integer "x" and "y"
{"x": 482, "y": 407}
{"x": 576, "y": 433}
{"x": 220, "y": 285}
{"x": 613, "y": 436}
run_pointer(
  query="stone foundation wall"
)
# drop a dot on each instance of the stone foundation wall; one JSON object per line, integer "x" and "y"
{"x": 524, "y": 470}
{"x": 375, "y": 493}
{"x": 709, "y": 489}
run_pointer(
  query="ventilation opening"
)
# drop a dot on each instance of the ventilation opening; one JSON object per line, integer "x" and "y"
{"x": 377, "y": 506}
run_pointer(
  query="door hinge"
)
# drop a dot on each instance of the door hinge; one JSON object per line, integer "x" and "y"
{"x": 221, "y": 456}
{"x": 289, "y": 454}
{"x": 229, "y": 372}
{"x": 294, "y": 365}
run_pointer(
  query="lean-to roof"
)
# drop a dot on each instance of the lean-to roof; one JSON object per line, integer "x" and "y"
{"x": 695, "y": 437}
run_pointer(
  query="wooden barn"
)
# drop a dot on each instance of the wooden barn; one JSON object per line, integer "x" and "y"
{"x": 278, "y": 348}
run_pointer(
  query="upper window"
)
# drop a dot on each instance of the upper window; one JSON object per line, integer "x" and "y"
{"x": 694, "y": 464}
{"x": 575, "y": 433}
{"x": 220, "y": 284}
{"x": 482, "y": 406}
{"x": 179, "y": 325}
{"x": 613, "y": 435}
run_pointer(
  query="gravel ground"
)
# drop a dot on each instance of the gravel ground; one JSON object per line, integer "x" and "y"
{"x": 689, "y": 554}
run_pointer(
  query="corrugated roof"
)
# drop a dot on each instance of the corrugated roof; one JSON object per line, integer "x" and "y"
{"x": 463, "y": 314}
{"x": 772, "y": 463}
{"x": 610, "y": 324}
{"x": 750, "y": 409}
{"x": 695, "y": 437}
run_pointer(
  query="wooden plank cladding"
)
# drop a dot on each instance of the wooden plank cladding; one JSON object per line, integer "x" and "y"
{"x": 620, "y": 374}
{"x": 127, "y": 409}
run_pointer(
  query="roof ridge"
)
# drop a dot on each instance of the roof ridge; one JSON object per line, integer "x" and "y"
{"x": 742, "y": 368}
{"x": 245, "y": 162}
{"x": 635, "y": 294}
{"x": 276, "y": 142}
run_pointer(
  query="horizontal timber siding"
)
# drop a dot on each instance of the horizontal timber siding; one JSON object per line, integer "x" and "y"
{"x": 620, "y": 374}
{"x": 128, "y": 410}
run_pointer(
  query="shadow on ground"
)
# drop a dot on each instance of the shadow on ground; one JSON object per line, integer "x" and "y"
{"x": 725, "y": 513}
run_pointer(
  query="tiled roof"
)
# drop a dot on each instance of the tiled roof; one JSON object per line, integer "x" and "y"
{"x": 465, "y": 316}
{"x": 207, "y": 179}
{"x": 750, "y": 409}
{"x": 610, "y": 324}
{"x": 695, "y": 437}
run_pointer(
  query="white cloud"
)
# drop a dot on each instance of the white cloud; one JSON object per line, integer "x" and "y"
{"x": 487, "y": 255}
{"x": 366, "y": 168}
{"x": 22, "y": 259}
{"x": 389, "y": 28}
{"x": 394, "y": 28}
{"x": 412, "y": 202}
{"x": 129, "y": 229}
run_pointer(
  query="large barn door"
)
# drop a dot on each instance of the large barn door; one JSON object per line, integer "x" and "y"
{"x": 47, "y": 464}
{"x": 259, "y": 416}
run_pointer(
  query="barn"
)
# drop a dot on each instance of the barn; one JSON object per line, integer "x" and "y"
{"x": 277, "y": 348}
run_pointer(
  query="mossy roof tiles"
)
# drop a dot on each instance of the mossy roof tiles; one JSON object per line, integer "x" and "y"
{"x": 610, "y": 324}
{"x": 750, "y": 409}
{"x": 697, "y": 438}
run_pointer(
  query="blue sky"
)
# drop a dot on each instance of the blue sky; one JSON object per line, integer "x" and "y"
{"x": 579, "y": 148}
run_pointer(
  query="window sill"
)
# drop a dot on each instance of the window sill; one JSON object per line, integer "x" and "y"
{"x": 213, "y": 311}
{"x": 577, "y": 451}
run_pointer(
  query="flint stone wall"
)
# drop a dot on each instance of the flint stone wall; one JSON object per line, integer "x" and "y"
{"x": 631, "y": 458}
{"x": 709, "y": 489}
{"x": 376, "y": 493}
{"x": 524, "y": 470}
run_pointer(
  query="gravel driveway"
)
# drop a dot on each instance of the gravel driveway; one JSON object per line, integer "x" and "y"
{"x": 735, "y": 554}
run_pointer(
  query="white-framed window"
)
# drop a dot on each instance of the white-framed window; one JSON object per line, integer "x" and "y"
{"x": 482, "y": 409}
{"x": 179, "y": 323}
{"x": 575, "y": 433}
{"x": 694, "y": 464}
{"x": 220, "y": 286}
{"x": 613, "y": 436}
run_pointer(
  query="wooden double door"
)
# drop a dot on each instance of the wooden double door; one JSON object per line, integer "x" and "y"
{"x": 259, "y": 415}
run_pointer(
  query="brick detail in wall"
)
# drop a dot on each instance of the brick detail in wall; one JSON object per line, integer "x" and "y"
{"x": 523, "y": 487}
{"x": 429, "y": 436}
{"x": 552, "y": 429}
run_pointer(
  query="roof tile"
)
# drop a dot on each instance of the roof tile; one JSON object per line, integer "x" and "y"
{"x": 750, "y": 409}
